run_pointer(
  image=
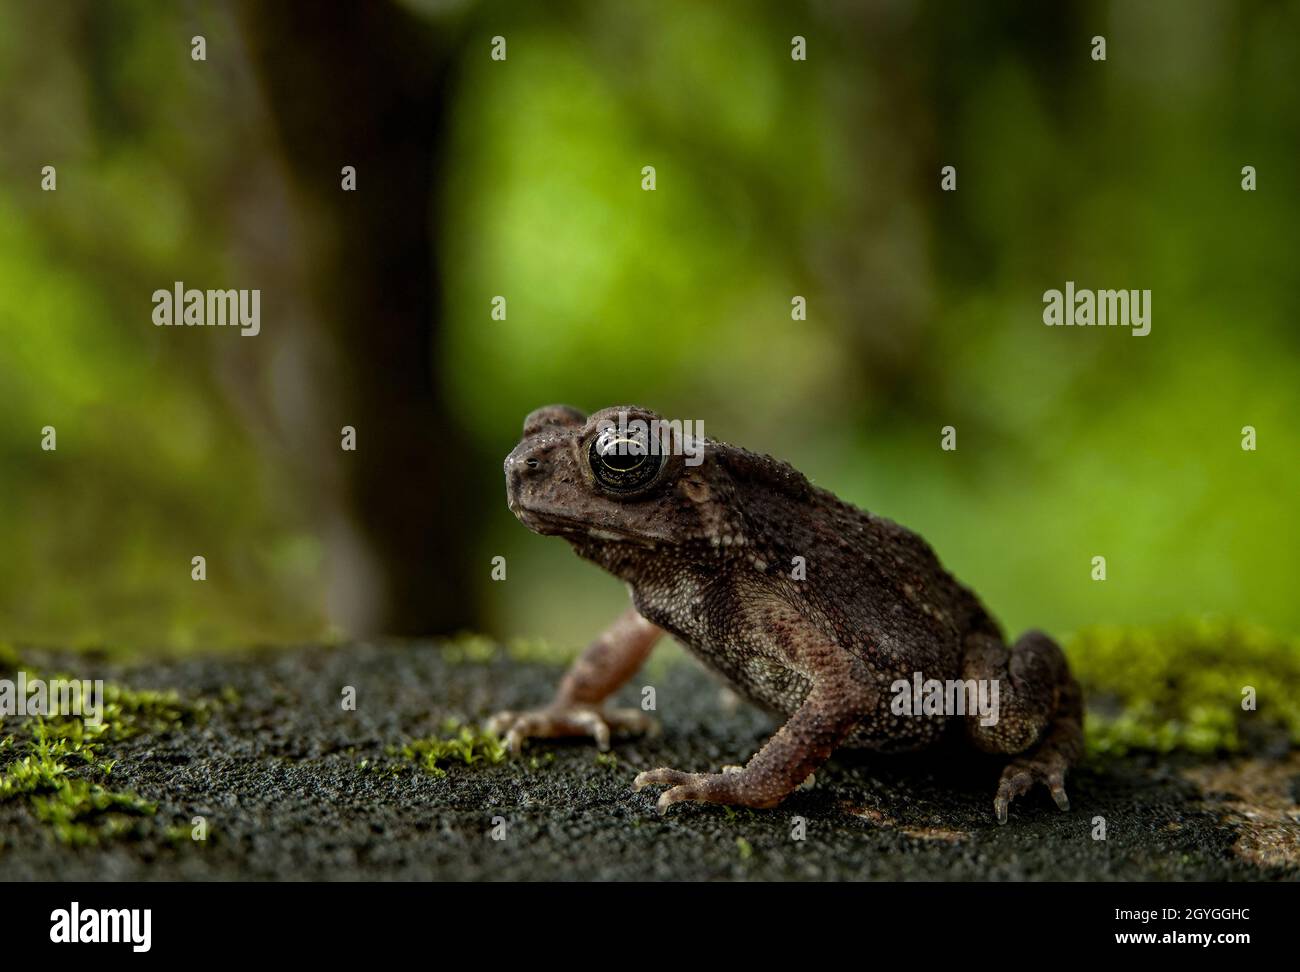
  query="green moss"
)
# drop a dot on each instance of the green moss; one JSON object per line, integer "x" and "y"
{"x": 470, "y": 649}
{"x": 1179, "y": 686}
{"x": 129, "y": 712}
{"x": 59, "y": 775}
{"x": 745, "y": 848}
{"x": 475, "y": 649}
{"x": 539, "y": 651}
{"x": 546, "y": 759}
{"x": 464, "y": 745}
{"x": 182, "y": 835}
{"x": 83, "y": 813}
{"x": 57, "y": 764}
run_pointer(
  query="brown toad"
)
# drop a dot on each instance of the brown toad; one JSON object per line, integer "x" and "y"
{"x": 811, "y": 608}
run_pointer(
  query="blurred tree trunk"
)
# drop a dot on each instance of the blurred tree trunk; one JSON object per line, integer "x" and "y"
{"x": 367, "y": 84}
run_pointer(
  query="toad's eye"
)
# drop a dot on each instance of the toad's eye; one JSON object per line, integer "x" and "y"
{"x": 622, "y": 462}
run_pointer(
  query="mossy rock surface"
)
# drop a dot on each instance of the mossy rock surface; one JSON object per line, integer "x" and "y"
{"x": 290, "y": 785}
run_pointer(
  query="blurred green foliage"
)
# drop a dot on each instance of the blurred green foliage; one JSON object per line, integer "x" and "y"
{"x": 1071, "y": 443}
{"x": 155, "y": 462}
{"x": 775, "y": 178}
{"x": 1203, "y": 687}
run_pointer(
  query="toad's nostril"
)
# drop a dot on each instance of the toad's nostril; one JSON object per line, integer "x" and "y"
{"x": 531, "y": 463}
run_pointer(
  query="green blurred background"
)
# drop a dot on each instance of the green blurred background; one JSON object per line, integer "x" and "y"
{"x": 522, "y": 178}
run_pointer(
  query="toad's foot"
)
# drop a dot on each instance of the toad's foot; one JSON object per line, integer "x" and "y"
{"x": 575, "y": 719}
{"x": 734, "y": 786}
{"x": 1046, "y": 766}
{"x": 1040, "y": 701}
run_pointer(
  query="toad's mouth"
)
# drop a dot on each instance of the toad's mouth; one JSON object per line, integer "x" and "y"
{"x": 550, "y": 523}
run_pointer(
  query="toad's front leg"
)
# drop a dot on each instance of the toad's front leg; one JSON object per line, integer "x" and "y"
{"x": 577, "y": 709}
{"x": 839, "y": 698}
{"x": 1039, "y": 719}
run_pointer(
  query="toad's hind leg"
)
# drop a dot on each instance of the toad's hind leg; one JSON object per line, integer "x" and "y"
{"x": 1039, "y": 715}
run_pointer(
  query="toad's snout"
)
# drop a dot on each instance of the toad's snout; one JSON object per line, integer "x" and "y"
{"x": 526, "y": 470}
{"x": 530, "y": 463}
{"x": 519, "y": 464}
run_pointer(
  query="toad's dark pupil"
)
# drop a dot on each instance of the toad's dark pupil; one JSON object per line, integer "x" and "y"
{"x": 622, "y": 455}
{"x": 622, "y": 463}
